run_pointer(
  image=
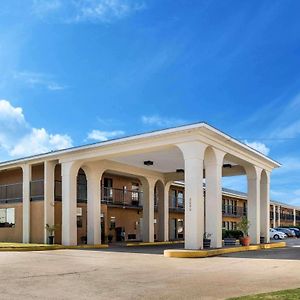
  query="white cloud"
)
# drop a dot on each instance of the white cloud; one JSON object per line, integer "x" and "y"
{"x": 96, "y": 11}
{"x": 101, "y": 136}
{"x": 40, "y": 141}
{"x": 33, "y": 79}
{"x": 18, "y": 138}
{"x": 261, "y": 147}
{"x": 159, "y": 121}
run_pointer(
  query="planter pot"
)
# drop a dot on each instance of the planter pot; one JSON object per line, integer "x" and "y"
{"x": 229, "y": 241}
{"x": 51, "y": 239}
{"x": 245, "y": 241}
{"x": 206, "y": 243}
{"x": 262, "y": 239}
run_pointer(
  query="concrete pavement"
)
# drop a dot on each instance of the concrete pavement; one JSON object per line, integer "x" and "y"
{"x": 129, "y": 273}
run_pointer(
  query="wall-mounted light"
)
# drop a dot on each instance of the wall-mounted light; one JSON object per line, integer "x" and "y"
{"x": 227, "y": 166}
{"x": 148, "y": 163}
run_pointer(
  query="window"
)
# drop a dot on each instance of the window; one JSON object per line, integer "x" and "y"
{"x": 135, "y": 192}
{"x": 180, "y": 199}
{"x": 7, "y": 217}
{"x": 108, "y": 191}
{"x": 173, "y": 198}
{"x": 112, "y": 223}
{"x": 79, "y": 217}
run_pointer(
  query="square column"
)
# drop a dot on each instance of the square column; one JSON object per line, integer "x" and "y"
{"x": 26, "y": 202}
{"x": 213, "y": 199}
{"x": 69, "y": 204}
{"x": 274, "y": 216}
{"x": 294, "y": 214}
{"x": 163, "y": 211}
{"x": 49, "y": 200}
{"x": 148, "y": 209}
{"x": 278, "y": 213}
{"x": 253, "y": 176}
{"x": 193, "y": 153}
{"x": 93, "y": 208}
{"x": 265, "y": 206}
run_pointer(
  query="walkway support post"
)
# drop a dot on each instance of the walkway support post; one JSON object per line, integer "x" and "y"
{"x": 69, "y": 203}
{"x": 94, "y": 206}
{"x": 265, "y": 206}
{"x": 27, "y": 174}
{"x": 49, "y": 200}
{"x": 148, "y": 209}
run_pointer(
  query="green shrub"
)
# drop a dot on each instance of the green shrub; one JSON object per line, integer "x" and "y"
{"x": 235, "y": 234}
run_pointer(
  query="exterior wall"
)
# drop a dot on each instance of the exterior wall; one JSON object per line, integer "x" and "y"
{"x": 11, "y": 176}
{"x": 13, "y": 234}
{"x": 37, "y": 222}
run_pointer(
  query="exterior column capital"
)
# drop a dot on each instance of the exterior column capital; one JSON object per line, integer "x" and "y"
{"x": 253, "y": 172}
{"x": 192, "y": 150}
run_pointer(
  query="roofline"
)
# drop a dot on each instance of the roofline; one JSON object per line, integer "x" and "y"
{"x": 140, "y": 136}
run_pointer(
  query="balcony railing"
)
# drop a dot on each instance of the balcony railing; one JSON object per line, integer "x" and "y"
{"x": 233, "y": 211}
{"x": 11, "y": 192}
{"x": 176, "y": 204}
{"x": 286, "y": 217}
{"x": 37, "y": 190}
{"x": 113, "y": 196}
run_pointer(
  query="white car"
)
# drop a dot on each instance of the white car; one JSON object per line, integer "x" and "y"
{"x": 276, "y": 235}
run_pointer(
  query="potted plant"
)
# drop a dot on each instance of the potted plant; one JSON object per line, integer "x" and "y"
{"x": 243, "y": 226}
{"x": 206, "y": 240}
{"x": 51, "y": 230}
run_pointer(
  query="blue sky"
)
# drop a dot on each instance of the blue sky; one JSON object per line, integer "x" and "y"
{"x": 78, "y": 71}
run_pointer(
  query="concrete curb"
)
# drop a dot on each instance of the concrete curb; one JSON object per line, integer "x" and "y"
{"x": 153, "y": 243}
{"x": 214, "y": 252}
{"x": 45, "y": 248}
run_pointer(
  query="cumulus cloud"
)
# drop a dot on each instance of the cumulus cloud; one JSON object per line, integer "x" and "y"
{"x": 156, "y": 120}
{"x": 98, "y": 135}
{"x": 18, "y": 138}
{"x": 261, "y": 147}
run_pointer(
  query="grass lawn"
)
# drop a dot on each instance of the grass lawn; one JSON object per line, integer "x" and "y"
{"x": 281, "y": 295}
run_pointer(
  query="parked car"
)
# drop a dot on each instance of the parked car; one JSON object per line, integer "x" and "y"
{"x": 287, "y": 231}
{"x": 276, "y": 235}
{"x": 297, "y": 231}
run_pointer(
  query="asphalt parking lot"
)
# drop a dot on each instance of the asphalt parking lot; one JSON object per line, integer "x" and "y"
{"x": 143, "y": 273}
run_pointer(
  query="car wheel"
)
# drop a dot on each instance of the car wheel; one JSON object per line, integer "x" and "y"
{"x": 276, "y": 237}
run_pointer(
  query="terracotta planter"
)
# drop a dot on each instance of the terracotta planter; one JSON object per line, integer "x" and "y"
{"x": 245, "y": 241}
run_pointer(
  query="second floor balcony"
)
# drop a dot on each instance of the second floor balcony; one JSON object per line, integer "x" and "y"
{"x": 234, "y": 211}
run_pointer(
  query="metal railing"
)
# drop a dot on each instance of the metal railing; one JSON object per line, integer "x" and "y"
{"x": 122, "y": 197}
{"x": 11, "y": 192}
{"x": 233, "y": 211}
{"x": 176, "y": 203}
{"x": 37, "y": 189}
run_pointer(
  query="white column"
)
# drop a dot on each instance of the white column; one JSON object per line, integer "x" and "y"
{"x": 253, "y": 177}
{"x": 274, "y": 216}
{"x": 49, "y": 201}
{"x": 69, "y": 203}
{"x": 294, "y": 214}
{"x": 166, "y": 210}
{"x": 213, "y": 200}
{"x": 148, "y": 209}
{"x": 265, "y": 206}
{"x": 163, "y": 211}
{"x": 193, "y": 153}
{"x": 94, "y": 207}
{"x": 278, "y": 220}
{"x": 26, "y": 202}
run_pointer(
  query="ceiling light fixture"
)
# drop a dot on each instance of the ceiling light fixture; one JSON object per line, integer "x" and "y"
{"x": 148, "y": 163}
